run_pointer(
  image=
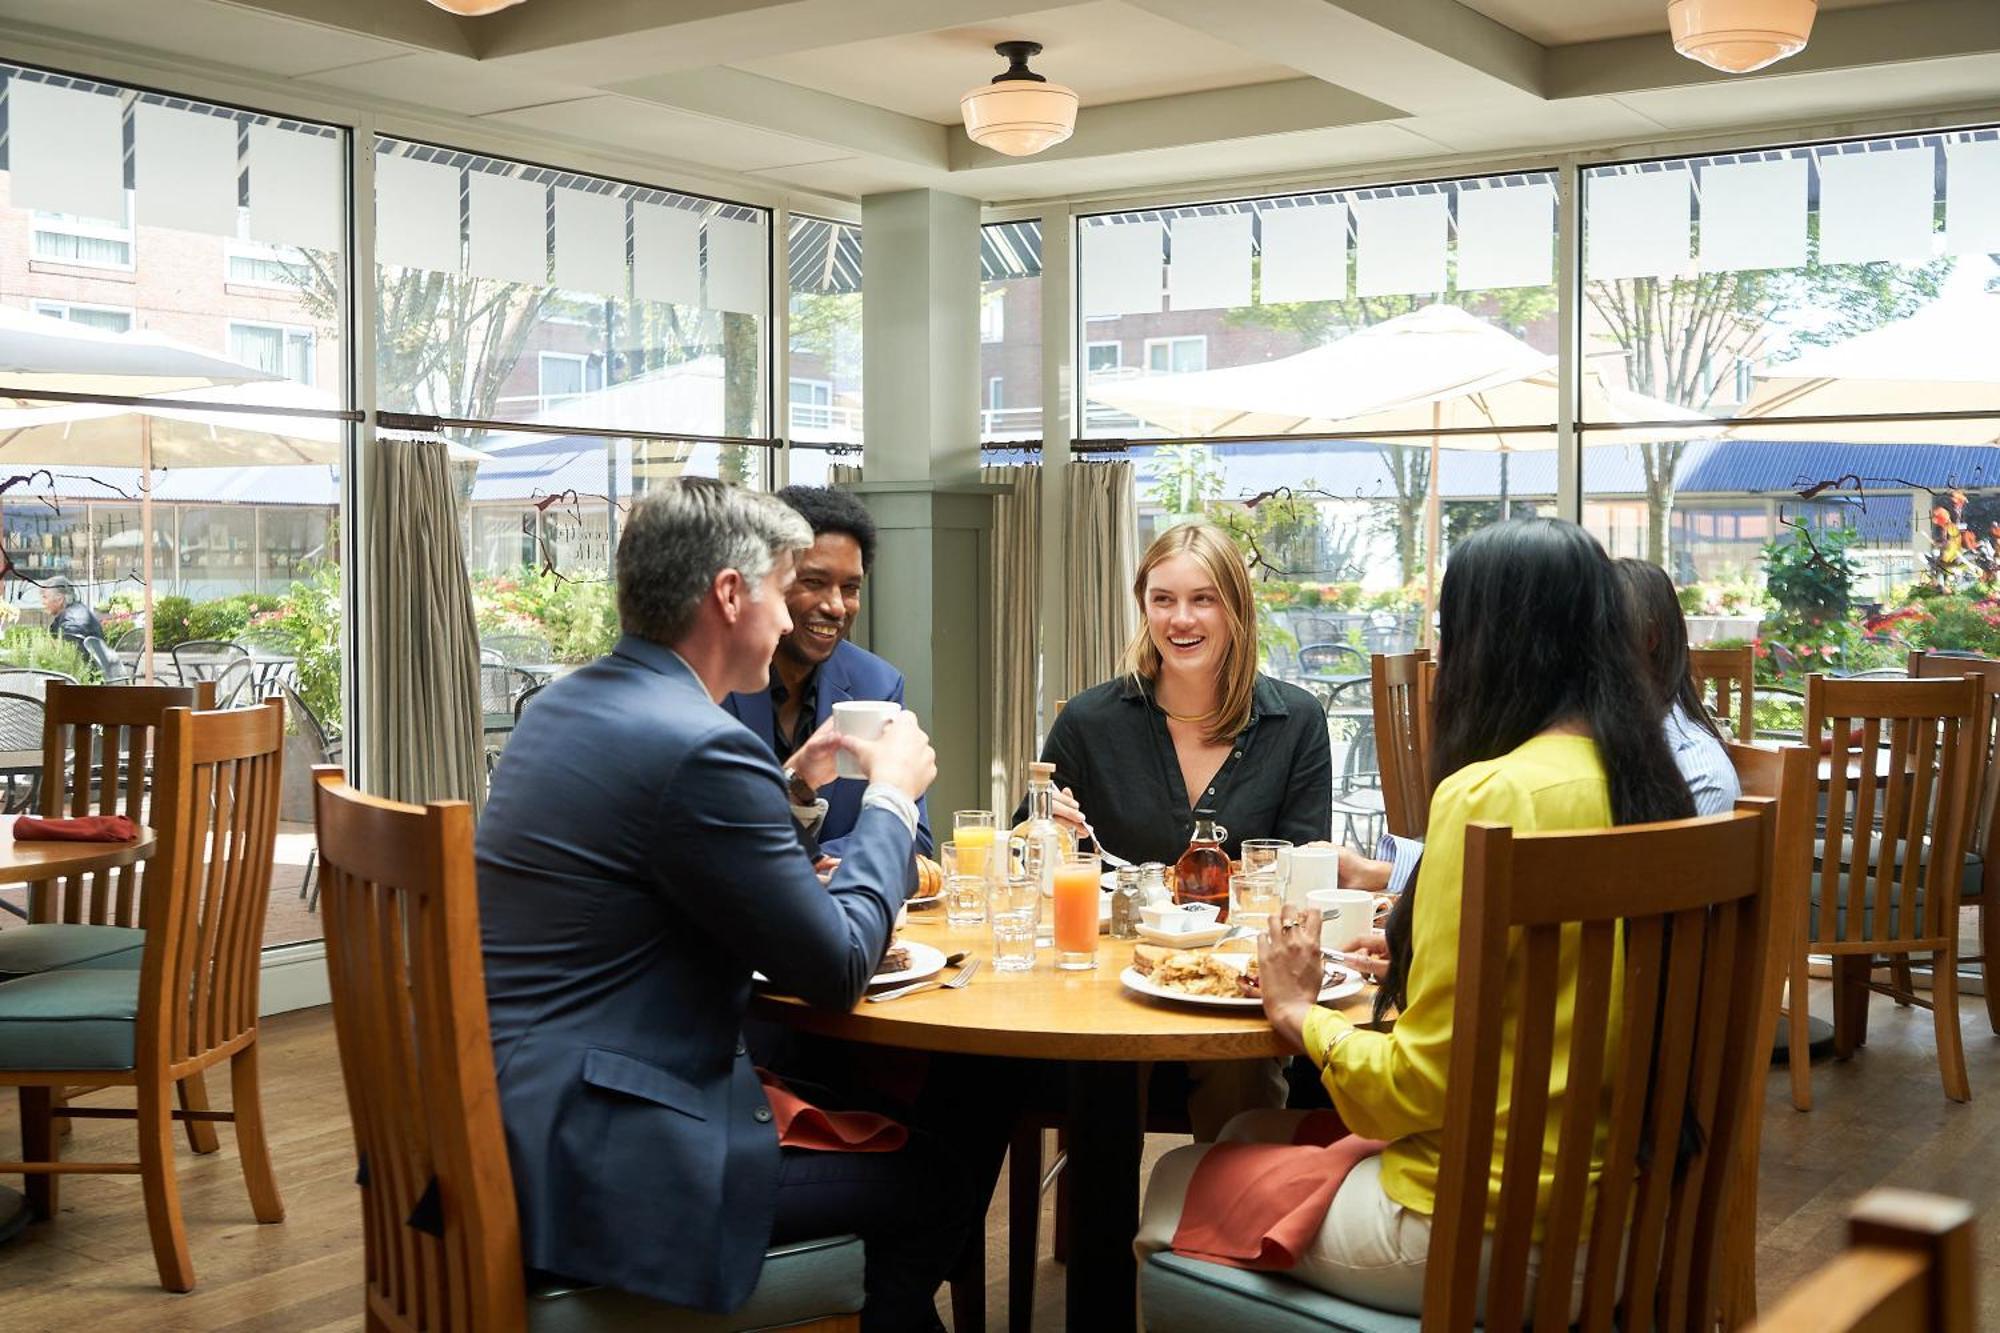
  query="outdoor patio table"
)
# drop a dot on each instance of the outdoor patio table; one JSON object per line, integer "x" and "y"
{"x": 36, "y": 863}
{"x": 1107, "y": 1035}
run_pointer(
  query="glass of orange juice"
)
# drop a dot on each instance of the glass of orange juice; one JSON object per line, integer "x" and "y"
{"x": 973, "y": 832}
{"x": 1076, "y": 903}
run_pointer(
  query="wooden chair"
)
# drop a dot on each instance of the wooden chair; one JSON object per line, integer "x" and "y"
{"x": 1910, "y": 1266}
{"x": 409, "y": 1011}
{"x": 1402, "y": 725}
{"x": 1732, "y": 673}
{"x": 1685, "y": 936}
{"x": 1783, "y": 775}
{"x": 191, "y": 1004}
{"x": 1902, "y": 875}
{"x": 1981, "y": 882}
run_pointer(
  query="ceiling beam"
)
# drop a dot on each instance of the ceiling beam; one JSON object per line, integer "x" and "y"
{"x": 611, "y": 41}
{"x": 1424, "y": 56}
{"x": 1841, "y": 39}
{"x": 785, "y": 108}
{"x": 424, "y": 27}
{"x": 1255, "y": 111}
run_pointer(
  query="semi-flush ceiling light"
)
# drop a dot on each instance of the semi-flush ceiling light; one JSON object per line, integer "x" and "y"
{"x": 1020, "y": 113}
{"x": 1737, "y": 36}
{"x": 474, "y": 8}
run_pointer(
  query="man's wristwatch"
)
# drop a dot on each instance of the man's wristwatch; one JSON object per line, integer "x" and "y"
{"x": 798, "y": 789}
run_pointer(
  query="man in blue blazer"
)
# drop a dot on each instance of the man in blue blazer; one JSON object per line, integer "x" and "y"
{"x": 637, "y": 861}
{"x": 817, "y": 666}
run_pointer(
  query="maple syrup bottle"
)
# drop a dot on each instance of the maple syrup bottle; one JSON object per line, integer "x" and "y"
{"x": 1202, "y": 873}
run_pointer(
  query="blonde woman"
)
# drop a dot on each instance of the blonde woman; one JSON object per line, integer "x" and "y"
{"x": 1192, "y": 724}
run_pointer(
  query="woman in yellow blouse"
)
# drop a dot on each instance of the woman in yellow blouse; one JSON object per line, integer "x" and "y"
{"x": 1539, "y": 728}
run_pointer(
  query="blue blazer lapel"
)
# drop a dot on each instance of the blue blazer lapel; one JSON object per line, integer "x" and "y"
{"x": 834, "y": 685}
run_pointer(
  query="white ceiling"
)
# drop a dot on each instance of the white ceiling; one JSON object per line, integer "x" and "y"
{"x": 851, "y": 97}
{"x": 1564, "y": 22}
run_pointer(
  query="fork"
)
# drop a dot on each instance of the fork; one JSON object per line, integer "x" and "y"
{"x": 956, "y": 983}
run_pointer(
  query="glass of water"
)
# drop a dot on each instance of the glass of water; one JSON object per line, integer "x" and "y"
{"x": 965, "y": 899}
{"x": 1013, "y": 907}
{"x": 1260, "y": 856}
{"x": 1254, "y": 899}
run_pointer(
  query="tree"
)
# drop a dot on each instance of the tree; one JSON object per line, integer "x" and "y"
{"x": 1316, "y": 323}
{"x": 1681, "y": 338}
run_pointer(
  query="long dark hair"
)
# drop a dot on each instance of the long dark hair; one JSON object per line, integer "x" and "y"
{"x": 1533, "y": 632}
{"x": 1661, "y": 635}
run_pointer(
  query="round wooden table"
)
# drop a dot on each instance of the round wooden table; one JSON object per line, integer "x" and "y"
{"x": 1106, "y": 1033}
{"x": 32, "y": 863}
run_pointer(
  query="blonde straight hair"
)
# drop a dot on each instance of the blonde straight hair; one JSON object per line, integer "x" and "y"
{"x": 1210, "y": 547}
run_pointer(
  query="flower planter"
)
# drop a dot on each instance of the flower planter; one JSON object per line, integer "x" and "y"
{"x": 1707, "y": 629}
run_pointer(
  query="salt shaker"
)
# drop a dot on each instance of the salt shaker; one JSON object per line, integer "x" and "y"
{"x": 1153, "y": 884}
{"x": 1126, "y": 899}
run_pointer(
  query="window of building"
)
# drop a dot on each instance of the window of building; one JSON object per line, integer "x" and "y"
{"x": 1176, "y": 356}
{"x": 1103, "y": 356}
{"x": 63, "y": 238}
{"x": 566, "y": 375}
{"x": 281, "y": 349}
{"x": 825, "y": 303}
{"x": 109, "y": 318}
{"x": 993, "y": 316}
{"x": 248, "y": 263}
{"x": 996, "y": 395}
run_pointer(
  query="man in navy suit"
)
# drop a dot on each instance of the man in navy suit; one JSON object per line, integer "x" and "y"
{"x": 637, "y": 861}
{"x": 816, "y": 666}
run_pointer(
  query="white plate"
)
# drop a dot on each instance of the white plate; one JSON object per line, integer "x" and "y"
{"x": 1136, "y": 981}
{"x": 926, "y": 961}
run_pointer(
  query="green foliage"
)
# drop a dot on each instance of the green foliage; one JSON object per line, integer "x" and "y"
{"x": 171, "y": 618}
{"x": 1187, "y": 479}
{"x": 227, "y": 618}
{"x": 1811, "y": 575}
{"x": 33, "y": 646}
{"x": 578, "y": 618}
{"x": 306, "y": 621}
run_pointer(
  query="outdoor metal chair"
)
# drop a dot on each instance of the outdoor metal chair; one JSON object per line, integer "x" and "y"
{"x": 500, "y": 689}
{"x": 517, "y": 648}
{"x": 21, "y": 718}
{"x": 1358, "y": 798}
{"x": 236, "y": 684}
{"x": 111, "y": 669}
{"x": 320, "y": 746}
{"x": 206, "y": 659}
{"x": 31, "y": 681}
{"x": 521, "y": 703}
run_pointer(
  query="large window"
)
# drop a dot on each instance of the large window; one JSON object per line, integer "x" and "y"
{"x": 129, "y": 216}
{"x": 1010, "y": 331}
{"x": 1801, "y": 402}
{"x": 825, "y": 403}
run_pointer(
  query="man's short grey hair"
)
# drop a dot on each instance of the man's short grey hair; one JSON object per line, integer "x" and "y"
{"x": 679, "y": 538}
{"x": 60, "y": 584}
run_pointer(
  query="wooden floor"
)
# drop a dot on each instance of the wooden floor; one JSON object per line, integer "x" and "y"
{"x": 1881, "y": 1118}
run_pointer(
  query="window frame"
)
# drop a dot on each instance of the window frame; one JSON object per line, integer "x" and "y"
{"x": 1169, "y": 344}
{"x": 286, "y": 333}
{"x": 45, "y": 306}
{"x": 94, "y": 229}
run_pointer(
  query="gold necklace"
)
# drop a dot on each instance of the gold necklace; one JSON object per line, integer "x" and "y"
{"x": 1198, "y": 717}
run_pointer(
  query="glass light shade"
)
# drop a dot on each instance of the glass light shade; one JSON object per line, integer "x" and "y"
{"x": 1019, "y": 117}
{"x": 474, "y": 8}
{"x": 1737, "y": 36}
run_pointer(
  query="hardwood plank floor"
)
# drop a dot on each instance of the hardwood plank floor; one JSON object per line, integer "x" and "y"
{"x": 1879, "y": 1119}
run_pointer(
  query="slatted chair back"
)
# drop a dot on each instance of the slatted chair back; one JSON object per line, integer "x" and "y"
{"x": 1910, "y": 1266}
{"x": 1728, "y": 676}
{"x": 1901, "y": 760}
{"x": 1654, "y": 935}
{"x": 409, "y": 1011}
{"x": 215, "y": 806}
{"x": 1784, "y": 775}
{"x": 101, "y": 739}
{"x": 1983, "y": 834}
{"x": 1397, "y": 684}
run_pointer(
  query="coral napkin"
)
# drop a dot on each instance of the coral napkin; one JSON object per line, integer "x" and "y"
{"x": 1259, "y": 1205}
{"x": 83, "y": 828}
{"x": 803, "y": 1125}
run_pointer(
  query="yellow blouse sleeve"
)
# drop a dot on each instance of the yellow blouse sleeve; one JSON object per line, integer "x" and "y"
{"x": 1388, "y": 1085}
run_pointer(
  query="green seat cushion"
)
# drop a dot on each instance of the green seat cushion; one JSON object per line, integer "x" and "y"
{"x": 1975, "y": 870}
{"x": 28, "y": 949}
{"x": 78, "y": 1018}
{"x": 1182, "y": 1295}
{"x": 809, "y": 1280}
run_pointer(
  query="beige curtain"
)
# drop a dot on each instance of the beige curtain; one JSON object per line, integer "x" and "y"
{"x": 421, "y": 670}
{"x": 1016, "y": 593}
{"x": 1103, "y": 557}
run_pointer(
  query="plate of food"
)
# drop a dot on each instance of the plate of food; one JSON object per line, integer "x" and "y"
{"x": 1217, "y": 980}
{"x": 907, "y": 961}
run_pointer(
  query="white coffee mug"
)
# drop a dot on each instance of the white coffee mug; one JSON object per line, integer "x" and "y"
{"x": 1306, "y": 870}
{"x": 1345, "y": 915}
{"x": 864, "y": 720}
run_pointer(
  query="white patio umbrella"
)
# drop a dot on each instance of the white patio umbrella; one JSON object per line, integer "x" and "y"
{"x": 1434, "y": 370}
{"x": 41, "y": 353}
{"x": 1944, "y": 358}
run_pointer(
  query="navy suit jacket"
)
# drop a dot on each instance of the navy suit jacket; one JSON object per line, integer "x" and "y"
{"x": 850, "y": 673}
{"x": 637, "y": 861}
